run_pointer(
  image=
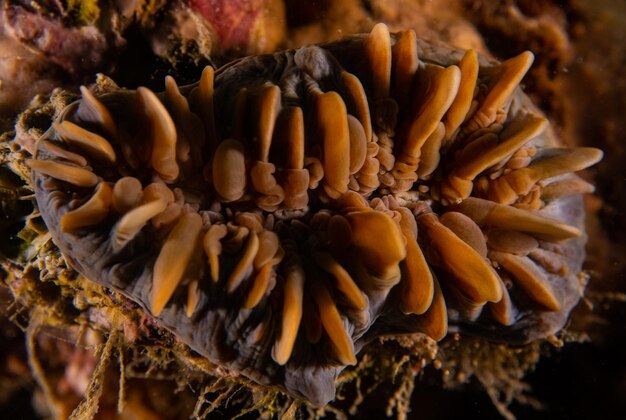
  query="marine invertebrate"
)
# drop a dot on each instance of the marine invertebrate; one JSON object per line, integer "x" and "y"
{"x": 288, "y": 208}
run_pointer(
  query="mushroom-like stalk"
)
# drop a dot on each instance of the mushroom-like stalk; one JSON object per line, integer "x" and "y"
{"x": 236, "y": 238}
{"x": 190, "y": 127}
{"x": 567, "y": 185}
{"x": 267, "y": 257}
{"x": 515, "y": 135}
{"x": 94, "y": 145}
{"x": 157, "y": 191}
{"x": 161, "y": 134}
{"x": 429, "y": 153}
{"x": 378, "y": 52}
{"x": 467, "y": 309}
{"x": 406, "y": 221}
{"x": 264, "y": 182}
{"x": 62, "y": 153}
{"x": 245, "y": 264}
{"x": 439, "y": 86}
{"x": 404, "y": 64}
{"x": 252, "y": 221}
{"x": 205, "y": 98}
{"x": 457, "y": 113}
{"x": 260, "y": 285}
{"x": 91, "y": 110}
{"x": 339, "y": 339}
{"x": 315, "y": 169}
{"x": 510, "y": 74}
{"x": 127, "y": 194}
{"x": 529, "y": 277}
{"x": 95, "y": 210}
{"x": 267, "y": 111}
{"x": 229, "y": 170}
{"x": 192, "y": 276}
{"x": 368, "y": 176}
{"x": 293, "y": 292}
{"x": 503, "y": 311}
{"x": 292, "y": 132}
{"x": 332, "y": 122}
{"x": 563, "y": 161}
{"x": 262, "y": 171}
{"x": 475, "y": 277}
{"x": 434, "y": 322}
{"x": 213, "y": 248}
{"x": 357, "y": 95}
{"x": 296, "y": 181}
{"x": 358, "y": 145}
{"x": 171, "y": 213}
{"x": 417, "y": 281}
{"x": 173, "y": 258}
{"x": 441, "y": 89}
{"x": 261, "y": 329}
{"x": 510, "y": 241}
{"x": 193, "y": 296}
{"x": 466, "y": 229}
{"x": 72, "y": 174}
{"x": 379, "y": 242}
{"x": 550, "y": 261}
{"x": 352, "y": 201}
{"x": 343, "y": 281}
{"x": 489, "y": 214}
{"x": 155, "y": 199}
{"x": 475, "y": 159}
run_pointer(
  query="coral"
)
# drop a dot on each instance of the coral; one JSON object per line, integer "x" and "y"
{"x": 559, "y": 82}
{"x": 363, "y": 168}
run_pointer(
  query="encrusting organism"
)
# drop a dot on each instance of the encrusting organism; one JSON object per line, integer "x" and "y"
{"x": 287, "y": 209}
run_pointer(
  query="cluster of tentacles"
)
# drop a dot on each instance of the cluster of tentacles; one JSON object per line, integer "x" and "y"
{"x": 288, "y": 208}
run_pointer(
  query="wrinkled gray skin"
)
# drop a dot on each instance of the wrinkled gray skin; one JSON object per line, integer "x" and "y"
{"x": 221, "y": 331}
